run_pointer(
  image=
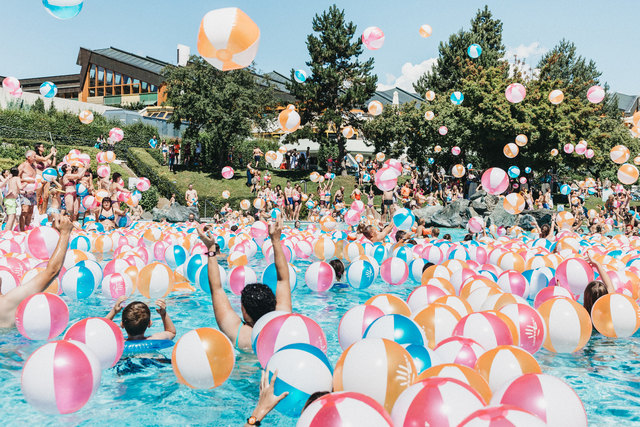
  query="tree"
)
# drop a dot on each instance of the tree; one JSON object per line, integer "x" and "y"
{"x": 38, "y": 106}
{"x": 453, "y": 61}
{"x": 220, "y": 106}
{"x": 339, "y": 82}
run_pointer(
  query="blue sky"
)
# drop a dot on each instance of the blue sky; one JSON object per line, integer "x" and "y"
{"x": 36, "y": 44}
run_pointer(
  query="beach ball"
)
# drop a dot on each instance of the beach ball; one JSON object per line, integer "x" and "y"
{"x": 568, "y": 325}
{"x": 373, "y": 38}
{"x": 431, "y": 160}
{"x": 565, "y": 219}
{"x": 239, "y": 277}
{"x": 556, "y": 96}
{"x": 100, "y": 335}
{"x": 270, "y": 277}
{"x": 376, "y": 367}
{"x": 581, "y": 149}
{"x": 548, "y": 397}
{"x": 589, "y": 153}
{"x": 155, "y": 280}
{"x": 375, "y": 108}
{"x": 495, "y": 181}
{"x": 616, "y": 315}
{"x": 619, "y": 154}
{"x": 117, "y": 285}
{"x": 511, "y": 150}
{"x": 42, "y": 316}
{"x": 455, "y": 150}
{"x": 103, "y": 171}
{"x": 568, "y": 148}
{"x": 521, "y": 140}
{"x": 423, "y": 295}
{"x": 348, "y": 132}
{"x": 289, "y": 119}
{"x": 486, "y": 329}
{"x": 203, "y": 358}
{"x": 436, "y": 401}
{"x": 42, "y": 241}
{"x": 437, "y": 322}
{"x": 302, "y": 370}
{"x": 352, "y": 217}
{"x": 116, "y": 135}
{"x": 530, "y": 325}
{"x": 397, "y": 328}
{"x": 320, "y": 276}
{"x": 403, "y": 219}
{"x": 461, "y": 373}
{"x": 228, "y": 39}
{"x": 513, "y": 172}
{"x": 554, "y": 152}
{"x": 513, "y": 203}
{"x": 429, "y": 115}
{"x": 245, "y": 204}
{"x": 501, "y": 415}
{"x": 328, "y": 223}
{"x": 380, "y": 157}
{"x": 627, "y": 174}
{"x": 527, "y": 170}
{"x": 574, "y": 274}
{"x": 389, "y": 304}
{"x": 85, "y": 117}
{"x": 78, "y": 282}
{"x": 458, "y": 171}
{"x": 288, "y": 329}
{"x": 474, "y": 51}
{"x": 12, "y": 85}
{"x": 300, "y": 76}
{"x": 175, "y": 256}
{"x": 386, "y": 179}
{"x": 502, "y": 364}
{"x": 460, "y": 350}
{"x": 355, "y": 322}
{"x": 341, "y": 409}
{"x": 394, "y": 271}
{"x": 60, "y": 377}
{"x": 595, "y": 94}
{"x": 515, "y": 93}
{"x": 475, "y": 224}
{"x": 425, "y": 30}
{"x": 226, "y": 194}
{"x": 442, "y": 130}
{"x": 565, "y": 189}
{"x": 360, "y": 274}
{"x": 48, "y": 89}
{"x": 456, "y": 98}
{"x": 63, "y": 9}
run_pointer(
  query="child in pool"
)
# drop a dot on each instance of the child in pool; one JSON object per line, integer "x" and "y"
{"x": 136, "y": 318}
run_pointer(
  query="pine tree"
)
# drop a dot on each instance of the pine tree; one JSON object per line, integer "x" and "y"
{"x": 339, "y": 81}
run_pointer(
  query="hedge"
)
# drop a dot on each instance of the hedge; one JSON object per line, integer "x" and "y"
{"x": 164, "y": 187}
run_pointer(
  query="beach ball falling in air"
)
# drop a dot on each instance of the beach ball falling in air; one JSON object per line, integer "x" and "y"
{"x": 556, "y": 96}
{"x": 380, "y": 157}
{"x": 443, "y": 130}
{"x": 373, "y": 38}
{"x": 628, "y": 174}
{"x": 116, "y": 134}
{"x": 455, "y": 150}
{"x": 495, "y": 181}
{"x": 513, "y": 203}
{"x": 430, "y": 95}
{"x": 589, "y": 153}
{"x": 63, "y": 9}
{"x": 458, "y": 171}
{"x": 348, "y": 132}
{"x": 289, "y": 119}
{"x": 514, "y": 172}
{"x": 300, "y": 76}
{"x": 375, "y": 108}
{"x": 228, "y": 38}
{"x": 12, "y": 85}
{"x": 569, "y": 148}
{"x": 511, "y": 150}
{"x": 429, "y": 115}
{"x": 85, "y": 117}
{"x": 227, "y": 172}
{"x": 474, "y": 51}
{"x": 48, "y": 89}
{"x": 554, "y": 152}
{"x": 595, "y": 94}
{"x": 521, "y": 140}
{"x": 619, "y": 154}
{"x": 425, "y": 30}
{"x": 515, "y": 93}
{"x": 457, "y": 98}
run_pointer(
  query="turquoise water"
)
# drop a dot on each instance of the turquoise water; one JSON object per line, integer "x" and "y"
{"x": 605, "y": 374}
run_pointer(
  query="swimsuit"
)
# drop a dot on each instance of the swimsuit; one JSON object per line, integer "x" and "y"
{"x": 238, "y": 334}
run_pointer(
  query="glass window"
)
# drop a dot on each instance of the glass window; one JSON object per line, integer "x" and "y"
{"x": 109, "y": 77}
{"x": 136, "y": 81}
{"x": 117, "y": 90}
{"x": 108, "y": 91}
{"x": 126, "y": 90}
{"x": 135, "y": 88}
{"x": 100, "y": 76}
{"x": 126, "y": 80}
{"x": 100, "y": 91}
{"x": 92, "y": 72}
{"x": 92, "y": 92}
{"x": 145, "y": 87}
{"x": 154, "y": 88}
{"x": 118, "y": 78}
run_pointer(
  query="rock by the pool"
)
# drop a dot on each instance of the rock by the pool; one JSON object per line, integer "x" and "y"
{"x": 175, "y": 213}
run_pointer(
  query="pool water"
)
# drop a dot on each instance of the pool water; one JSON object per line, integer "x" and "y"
{"x": 605, "y": 374}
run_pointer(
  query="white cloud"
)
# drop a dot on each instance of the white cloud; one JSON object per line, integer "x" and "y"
{"x": 524, "y": 52}
{"x": 410, "y": 74}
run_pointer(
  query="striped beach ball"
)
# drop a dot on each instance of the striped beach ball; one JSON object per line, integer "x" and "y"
{"x": 425, "y": 30}
{"x": 85, "y": 117}
{"x": 203, "y": 358}
{"x": 567, "y": 323}
{"x": 595, "y": 94}
{"x": 556, "y": 96}
{"x": 430, "y": 95}
{"x": 394, "y": 271}
{"x": 380, "y": 157}
{"x": 320, "y": 276}
{"x": 500, "y": 365}
{"x": 461, "y": 373}
{"x": 569, "y": 148}
{"x": 429, "y": 115}
{"x": 344, "y": 409}
{"x": 289, "y": 119}
{"x": 63, "y": 9}
{"x": 375, "y": 108}
{"x": 60, "y": 377}
{"x": 616, "y": 315}
{"x": 102, "y": 336}
{"x": 515, "y": 93}
{"x": 78, "y": 282}
{"x": 386, "y": 179}
{"x": 530, "y": 325}
{"x": 155, "y": 280}
{"x": 437, "y": 322}
{"x": 348, "y": 132}
{"x": 513, "y": 172}
{"x": 495, "y": 181}
{"x": 300, "y": 76}
{"x": 486, "y": 329}
{"x": 245, "y": 204}
{"x": 513, "y": 203}
{"x": 389, "y": 304}
{"x": 12, "y": 85}
{"x": 355, "y": 322}
{"x": 521, "y": 140}
{"x": 396, "y": 327}
{"x": 360, "y": 274}
{"x": 456, "y": 98}
{"x": 48, "y": 89}
{"x": 619, "y": 154}
{"x": 455, "y": 150}
{"x": 458, "y": 171}
{"x": 474, "y": 51}
{"x": 228, "y": 39}
{"x": 403, "y": 219}
{"x": 627, "y": 174}
{"x": 116, "y": 285}
{"x": 373, "y": 38}
{"x": 460, "y": 350}
{"x": 554, "y": 152}
{"x": 511, "y": 150}
{"x": 42, "y": 316}
{"x": 42, "y": 241}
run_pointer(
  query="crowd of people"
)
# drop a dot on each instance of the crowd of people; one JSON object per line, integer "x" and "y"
{"x": 28, "y": 195}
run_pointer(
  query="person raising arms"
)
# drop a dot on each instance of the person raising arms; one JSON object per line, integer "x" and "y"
{"x": 256, "y": 299}
{"x": 10, "y": 301}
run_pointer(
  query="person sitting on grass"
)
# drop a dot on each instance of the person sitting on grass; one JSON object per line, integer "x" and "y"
{"x": 10, "y": 301}
{"x": 136, "y": 318}
{"x": 256, "y": 299}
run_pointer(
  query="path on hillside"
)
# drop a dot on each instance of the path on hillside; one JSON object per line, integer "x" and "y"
{"x": 126, "y": 167}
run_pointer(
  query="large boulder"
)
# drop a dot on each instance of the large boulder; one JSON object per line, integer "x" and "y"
{"x": 175, "y": 213}
{"x": 527, "y": 222}
{"x": 542, "y": 216}
{"x": 163, "y": 203}
{"x": 453, "y": 215}
{"x": 500, "y": 217}
{"x": 427, "y": 213}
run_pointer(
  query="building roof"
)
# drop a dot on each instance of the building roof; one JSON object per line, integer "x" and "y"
{"x": 146, "y": 63}
{"x": 386, "y": 96}
{"x": 627, "y": 103}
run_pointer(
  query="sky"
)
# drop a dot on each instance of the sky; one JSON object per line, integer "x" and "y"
{"x": 35, "y": 44}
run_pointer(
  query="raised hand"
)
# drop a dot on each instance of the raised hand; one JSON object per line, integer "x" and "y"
{"x": 275, "y": 227}
{"x": 209, "y": 242}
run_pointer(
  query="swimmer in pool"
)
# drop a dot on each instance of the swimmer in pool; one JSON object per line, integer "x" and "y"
{"x": 136, "y": 318}
{"x": 10, "y": 301}
{"x": 256, "y": 299}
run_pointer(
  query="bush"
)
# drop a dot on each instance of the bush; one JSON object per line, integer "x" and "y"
{"x": 164, "y": 187}
{"x": 243, "y": 151}
{"x": 325, "y": 152}
{"x": 149, "y": 199}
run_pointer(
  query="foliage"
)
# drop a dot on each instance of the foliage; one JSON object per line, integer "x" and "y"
{"x": 38, "y": 106}
{"x": 149, "y": 199}
{"x": 136, "y": 162}
{"x": 243, "y": 152}
{"x": 453, "y": 61}
{"x": 220, "y": 106}
{"x": 339, "y": 82}
{"x": 325, "y": 152}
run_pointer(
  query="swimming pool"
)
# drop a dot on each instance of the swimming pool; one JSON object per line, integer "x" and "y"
{"x": 605, "y": 374}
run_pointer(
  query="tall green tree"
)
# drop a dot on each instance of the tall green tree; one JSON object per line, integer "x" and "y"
{"x": 453, "y": 61}
{"x": 220, "y": 106}
{"x": 339, "y": 81}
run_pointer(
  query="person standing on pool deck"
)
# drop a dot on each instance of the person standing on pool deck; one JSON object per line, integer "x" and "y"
{"x": 256, "y": 299}
{"x": 27, "y": 173}
{"x": 10, "y": 301}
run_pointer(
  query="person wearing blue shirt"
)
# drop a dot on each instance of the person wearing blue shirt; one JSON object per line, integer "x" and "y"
{"x": 153, "y": 142}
